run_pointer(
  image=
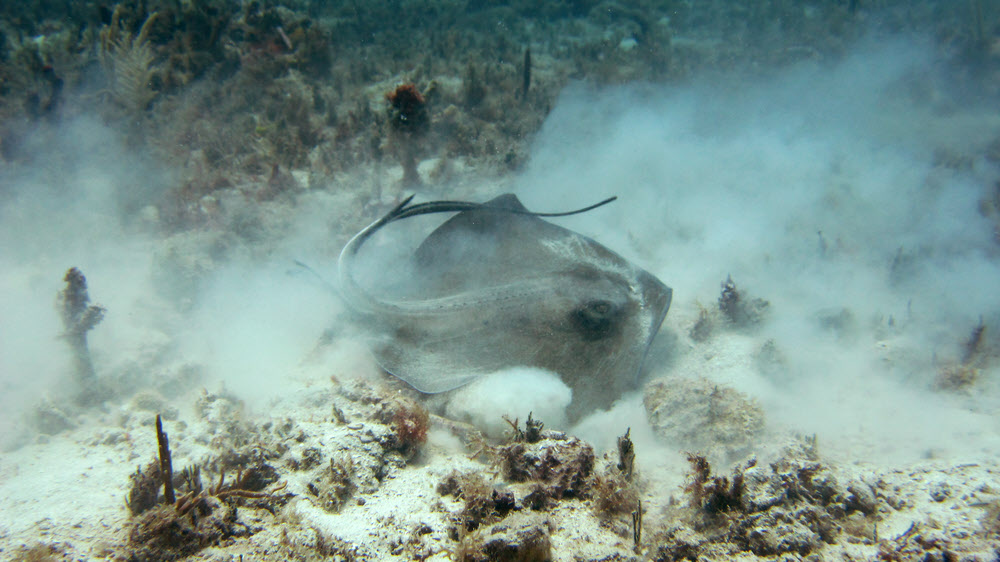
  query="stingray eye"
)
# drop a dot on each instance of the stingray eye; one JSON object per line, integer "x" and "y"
{"x": 595, "y": 318}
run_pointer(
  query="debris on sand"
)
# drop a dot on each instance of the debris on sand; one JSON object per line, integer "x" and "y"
{"x": 701, "y": 415}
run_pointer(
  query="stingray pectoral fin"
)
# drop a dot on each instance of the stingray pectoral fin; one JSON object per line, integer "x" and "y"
{"x": 426, "y": 372}
{"x": 440, "y": 360}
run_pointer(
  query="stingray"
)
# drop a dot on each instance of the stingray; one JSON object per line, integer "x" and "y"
{"x": 496, "y": 286}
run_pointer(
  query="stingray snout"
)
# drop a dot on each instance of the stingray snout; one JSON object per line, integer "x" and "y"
{"x": 655, "y": 297}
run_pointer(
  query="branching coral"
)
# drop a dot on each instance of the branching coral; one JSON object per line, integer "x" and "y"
{"x": 166, "y": 464}
{"x": 79, "y": 317}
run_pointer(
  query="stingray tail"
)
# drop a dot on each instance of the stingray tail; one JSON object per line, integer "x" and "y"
{"x": 403, "y": 211}
{"x": 358, "y": 297}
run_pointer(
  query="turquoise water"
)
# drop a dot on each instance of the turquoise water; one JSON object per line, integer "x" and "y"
{"x": 837, "y": 160}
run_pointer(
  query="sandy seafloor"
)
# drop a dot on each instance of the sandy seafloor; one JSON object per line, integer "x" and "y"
{"x": 853, "y": 413}
{"x": 924, "y": 496}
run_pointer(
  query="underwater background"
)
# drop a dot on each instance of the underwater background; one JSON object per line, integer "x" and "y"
{"x": 817, "y": 181}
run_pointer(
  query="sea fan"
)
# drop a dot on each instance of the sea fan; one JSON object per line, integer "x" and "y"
{"x": 128, "y": 60}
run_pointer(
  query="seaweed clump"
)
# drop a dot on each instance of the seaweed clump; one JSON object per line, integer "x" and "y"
{"x": 552, "y": 468}
{"x": 409, "y": 122}
{"x": 483, "y": 504}
{"x": 40, "y": 552}
{"x": 560, "y": 468}
{"x": 519, "y": 538}
{"x": 614, "y": 496}
{"x": 169, "y": 533}
{"x": 735, "y": 309}
{"x": 703, "y": 326}
{"x": 739, "y": 309}
{"x": 965, "y": 373}
{"x": 144, "y": 493}
{"x": 548, "y": 466}
{"x": 409, "y": 421}
{"x": 335, "y": 485}
{"x": 794, "y": 506}
{"x": 714, "y": 494}
{"x": 615, "y": 490}
{"x": 532, "y": 432}
{"x": 177, "y": 526}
